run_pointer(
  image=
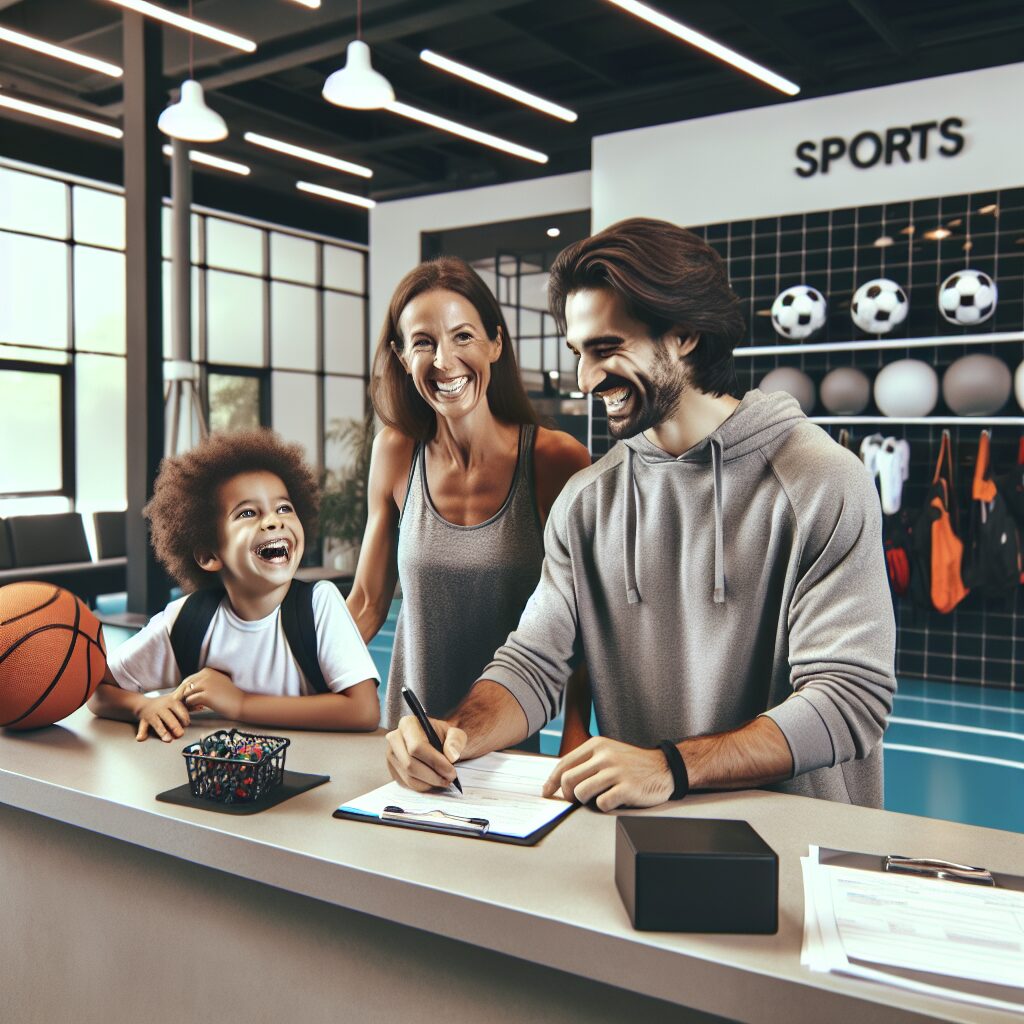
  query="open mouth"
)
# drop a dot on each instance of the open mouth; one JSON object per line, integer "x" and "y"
{"x": 616, "y": 399}
{"x": 276, "y": 552}
{"x": 451, "y": 388}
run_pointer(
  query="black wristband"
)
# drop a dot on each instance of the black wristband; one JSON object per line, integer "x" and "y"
{"x": 676, "y": 764}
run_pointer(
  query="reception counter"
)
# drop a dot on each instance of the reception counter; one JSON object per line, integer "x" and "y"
{"x": 119, "y": 908}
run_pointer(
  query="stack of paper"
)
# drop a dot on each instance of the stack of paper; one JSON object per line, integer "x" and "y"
{"x": 949, "y": 939}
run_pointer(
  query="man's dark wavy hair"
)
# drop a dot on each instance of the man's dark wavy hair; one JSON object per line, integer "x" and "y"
{"x": 184, "y": 510}
{"x": 670, "y": 280}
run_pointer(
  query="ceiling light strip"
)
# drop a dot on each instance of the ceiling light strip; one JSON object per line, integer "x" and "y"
{"x": 198, "y": 157}
{"x": 61, "y": 116}
{"x": 200, "y": 28}
{"x": 312, "y": 4}
{"x": 707, "y": 44}
{"x": 483, "y": 138}
{"x": 288, "y": 148}
{"x": 335, "y": 194}
{"x": 453, "y": 67}
{"x": 8, "y": 35}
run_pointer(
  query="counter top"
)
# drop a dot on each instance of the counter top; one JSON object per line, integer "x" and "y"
{"x": 554, "y": 904}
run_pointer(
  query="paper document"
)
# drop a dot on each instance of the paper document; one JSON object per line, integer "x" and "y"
{"x": 873, "y": 924}
{"x": 503, "y": 788}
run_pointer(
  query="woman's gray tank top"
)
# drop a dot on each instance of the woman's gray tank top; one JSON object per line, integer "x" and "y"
{"x": 463, "y": 588}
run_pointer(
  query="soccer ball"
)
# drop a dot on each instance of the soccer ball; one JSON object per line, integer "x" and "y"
{"x": 879, "y": 305}
{"x": 798, "y": 312}
{"x": 968, "y": 297}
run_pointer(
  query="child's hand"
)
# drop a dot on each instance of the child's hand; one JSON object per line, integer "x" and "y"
{"x": 211, "y": 689}
{"x": 166, "y": 716}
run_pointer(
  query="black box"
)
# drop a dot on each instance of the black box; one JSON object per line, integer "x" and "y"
{"x": 696, "y": 875}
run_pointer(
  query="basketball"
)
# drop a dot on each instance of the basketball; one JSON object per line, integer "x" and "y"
{"x": 51, "y": 654}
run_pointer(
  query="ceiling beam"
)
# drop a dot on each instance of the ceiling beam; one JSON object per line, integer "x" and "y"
{"x": 787, "y": 41}
{"x": 375, "y": 30}
{"x": 890, "y": 35}
{"x": 510, "y": 21}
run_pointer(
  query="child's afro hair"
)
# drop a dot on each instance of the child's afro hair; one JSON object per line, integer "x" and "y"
{"x": 184, "y": 511}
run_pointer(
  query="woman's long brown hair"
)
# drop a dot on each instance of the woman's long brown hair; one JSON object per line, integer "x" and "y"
{"x": 394, "y": 396}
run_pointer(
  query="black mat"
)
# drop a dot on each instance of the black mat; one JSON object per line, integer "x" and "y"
{"x": 293, "y": 784}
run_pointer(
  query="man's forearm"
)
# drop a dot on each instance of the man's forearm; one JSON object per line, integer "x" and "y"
{"x": 754, "y": 755}
{"x": 491, "y": 718}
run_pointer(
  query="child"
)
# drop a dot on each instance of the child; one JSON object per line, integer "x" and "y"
{"x": 233, "y": 513}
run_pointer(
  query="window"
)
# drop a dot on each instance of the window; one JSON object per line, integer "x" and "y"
{"x": 33, "y": 204}
{"x": 235, "y": 401}
{"x": 99, "y": 300}
{"x": 35, "y": 270}
{"x": 278, "y": 329}
{"x": 30, "y": 410}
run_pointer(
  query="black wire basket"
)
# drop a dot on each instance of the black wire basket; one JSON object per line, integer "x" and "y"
{"x": 235, "y": 767}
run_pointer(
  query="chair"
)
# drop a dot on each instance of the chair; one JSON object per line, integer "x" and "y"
{"x": 110, "y": 534}
{"x": 6, "y": 554}
{"x": 49, "y": 539}
{"x": 53, "y": 549}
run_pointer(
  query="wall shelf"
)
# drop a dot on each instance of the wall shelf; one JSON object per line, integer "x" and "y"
{"x": 872, "y": 344}
{"x": 927, "y": 421}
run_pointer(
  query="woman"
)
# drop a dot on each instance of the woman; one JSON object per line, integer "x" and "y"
{"x": 461, "y": 482}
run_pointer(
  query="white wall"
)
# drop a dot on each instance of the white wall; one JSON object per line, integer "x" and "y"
{"x": 742, "y": 165}
{"x": 395, "y": 227}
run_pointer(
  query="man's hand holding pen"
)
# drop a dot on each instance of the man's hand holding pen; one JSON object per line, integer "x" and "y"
{"x": 414, "y": 763}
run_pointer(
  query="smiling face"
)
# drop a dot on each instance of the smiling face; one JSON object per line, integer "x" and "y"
{"x": 260, "y": 540}
{"x": 639, "y": 378}
{"x": 447, "y": 352}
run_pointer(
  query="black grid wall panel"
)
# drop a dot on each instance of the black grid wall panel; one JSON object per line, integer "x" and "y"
{"x": 981, "y": 641}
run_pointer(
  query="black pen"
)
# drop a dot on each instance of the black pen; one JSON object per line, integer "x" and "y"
{"x": 421, "y": 716}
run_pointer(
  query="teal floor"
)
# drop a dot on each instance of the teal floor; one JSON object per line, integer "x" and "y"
{"x": 951, "y": 751}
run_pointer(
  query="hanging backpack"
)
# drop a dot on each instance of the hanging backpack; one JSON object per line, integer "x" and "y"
{"x": 193, "y": 623}
{"x": 1011, "y": 487}
{"x": 993, "y": 562}
{"x": 938, "y": 551}
{"x": 896, "y": 534}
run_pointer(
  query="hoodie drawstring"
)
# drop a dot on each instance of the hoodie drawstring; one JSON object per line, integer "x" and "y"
{"x": 716, "y": 465}
{"x": 629, "y": 532}
{"x": 629, "y": 526}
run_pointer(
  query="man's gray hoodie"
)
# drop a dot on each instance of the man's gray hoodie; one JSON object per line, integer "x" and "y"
{"x": 744, "y": 577}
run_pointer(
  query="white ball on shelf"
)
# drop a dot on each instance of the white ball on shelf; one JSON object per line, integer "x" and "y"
{"x": 1018, "y": 385}
{"x": 968, "y": 297}
{"x": 879, "y": 305}
{"x": 845, "y": 391}
{"x": 794, "y": 382}
{"x": 977, "y": 385}
{"x": 906, "y": 388}
{"x": 798, "y": 312}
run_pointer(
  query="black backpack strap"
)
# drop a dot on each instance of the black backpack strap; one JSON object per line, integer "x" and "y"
{"x": 300, "y": 632}
{"x": 191, "y": 626}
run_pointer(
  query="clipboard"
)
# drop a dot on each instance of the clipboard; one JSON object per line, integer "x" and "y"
{"x": 431, "y": 823}
{"x": 502, "y": 802}
{"x": 876, "y": 862}
{"x": 951, "y": 985}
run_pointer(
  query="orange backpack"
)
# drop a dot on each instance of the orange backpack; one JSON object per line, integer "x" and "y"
{"x": 947, "y": 550}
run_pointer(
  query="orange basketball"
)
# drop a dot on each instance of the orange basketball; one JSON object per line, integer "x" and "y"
{"x": 51, "y": 654}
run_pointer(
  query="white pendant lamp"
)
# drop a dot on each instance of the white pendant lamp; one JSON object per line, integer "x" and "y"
{"x": 190, "y": 119}
{"x": 357, "y": 85}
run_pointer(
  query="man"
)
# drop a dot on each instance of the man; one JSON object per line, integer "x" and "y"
{"x": 721, "y": 571}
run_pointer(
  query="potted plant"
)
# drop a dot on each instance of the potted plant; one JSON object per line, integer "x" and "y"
{"x": 343, "y": 504}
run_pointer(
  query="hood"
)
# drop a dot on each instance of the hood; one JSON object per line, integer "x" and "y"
{"x": 757, "y": 421}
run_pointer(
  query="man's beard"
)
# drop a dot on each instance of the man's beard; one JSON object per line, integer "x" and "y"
{"x": 655, "y": 398}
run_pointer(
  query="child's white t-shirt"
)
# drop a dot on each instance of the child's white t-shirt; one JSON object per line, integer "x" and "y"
{"x": 254, "y": 654}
